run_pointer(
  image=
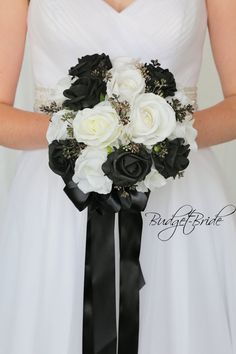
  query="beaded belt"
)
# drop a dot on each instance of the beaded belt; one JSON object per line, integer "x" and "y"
{"x": 44, "y": 96}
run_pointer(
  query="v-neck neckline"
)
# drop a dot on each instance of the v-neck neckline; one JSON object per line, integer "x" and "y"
{"x": 119, "y": 13}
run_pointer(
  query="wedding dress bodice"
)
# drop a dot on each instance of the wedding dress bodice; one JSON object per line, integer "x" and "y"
{"x": 171, "y": 31}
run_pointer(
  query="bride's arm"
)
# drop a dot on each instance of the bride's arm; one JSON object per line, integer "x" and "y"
{"x": 217, "y": 124}
{"x": 18, "y": 129}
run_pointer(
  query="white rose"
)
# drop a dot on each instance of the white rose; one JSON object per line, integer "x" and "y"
{"x": 152, "y": 119}
{"x": 127, "y": 82}
{"x": 152, "y": 181}
{"x": 88, "y": 171}
{"x": 57, "y": 92}
{"x": 126, "y": 135}
{"x": 57, "y": 129}
{"x": 97, "y": 126}
{"x": 181, "y": 96}
{"x": 186, "y": 131}
{"x": 124, "y": 61}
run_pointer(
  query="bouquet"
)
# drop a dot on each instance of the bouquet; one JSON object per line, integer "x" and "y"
{"x": 121, "y": 129}
{"x": 122, "y": 125}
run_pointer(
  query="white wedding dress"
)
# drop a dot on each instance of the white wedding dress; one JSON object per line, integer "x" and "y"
{"x": 188, "y": 305}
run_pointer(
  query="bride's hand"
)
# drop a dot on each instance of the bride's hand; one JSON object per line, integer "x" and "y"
{"x": 18, "y": 129}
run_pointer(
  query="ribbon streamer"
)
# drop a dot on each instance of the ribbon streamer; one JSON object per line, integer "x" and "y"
{"x": 130, "y": 231}
{"x": 99, "y": 318}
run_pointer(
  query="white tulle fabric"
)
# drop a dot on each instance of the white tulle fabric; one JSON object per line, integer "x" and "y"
{"x": 188, "y": 303}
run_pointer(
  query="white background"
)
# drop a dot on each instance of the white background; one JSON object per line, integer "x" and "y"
{"x": 209, "y": 94}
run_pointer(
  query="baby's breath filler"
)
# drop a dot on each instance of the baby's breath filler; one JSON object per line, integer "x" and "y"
{"x": 132, "y": 147}
{"x": 50, "y": 109}
{"x": 68, "y": 116}
{"x": 160, "y": 149}
{"x": 72, "y": 149}
{"x": 181, "y": 111}
{"x": 122, "y": 108}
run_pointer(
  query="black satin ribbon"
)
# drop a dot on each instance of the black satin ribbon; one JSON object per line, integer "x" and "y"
{"x": 100, "y": 228}
{"x": 99, "y": 317}
{"x": 130, "y": 231}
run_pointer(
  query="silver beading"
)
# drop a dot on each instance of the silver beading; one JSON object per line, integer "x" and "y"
{"x": 44, "y": 96}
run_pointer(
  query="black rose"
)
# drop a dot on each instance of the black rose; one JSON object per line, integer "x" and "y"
{"x": 85, "y": 92}
{"x": 58, "y": 163}
{"x": 125, "y": 168}
{"x": 175, "y": 160}
{"x": 89, "y": 63}
{"x": 166, "y": 81}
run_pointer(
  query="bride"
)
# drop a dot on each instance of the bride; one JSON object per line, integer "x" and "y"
{"x": 187, "y": 305}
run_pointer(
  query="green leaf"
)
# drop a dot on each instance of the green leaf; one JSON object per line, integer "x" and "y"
{"x": 109, "y": 149}
{"x": 102, "y": 97}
